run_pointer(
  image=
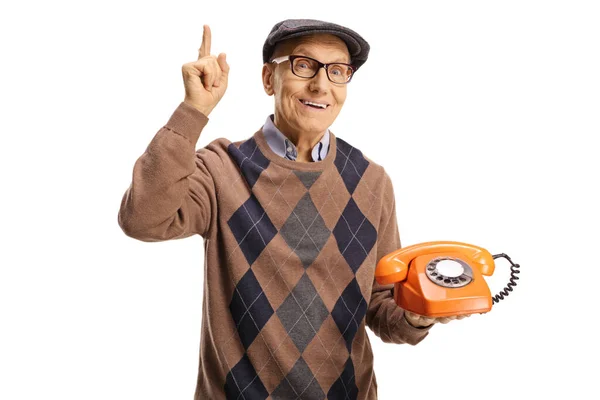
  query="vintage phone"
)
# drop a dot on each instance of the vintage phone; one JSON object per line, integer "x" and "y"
{"x": 442, "y": 278}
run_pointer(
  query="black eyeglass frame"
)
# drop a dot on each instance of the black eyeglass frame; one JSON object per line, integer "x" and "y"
{"x": 320, "y": 65}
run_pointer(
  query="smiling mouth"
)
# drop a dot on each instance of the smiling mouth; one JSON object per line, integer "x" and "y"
{"x": 312, "y": 104}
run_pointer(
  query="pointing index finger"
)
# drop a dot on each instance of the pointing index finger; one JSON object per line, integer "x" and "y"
{"x": 205, "y": 46}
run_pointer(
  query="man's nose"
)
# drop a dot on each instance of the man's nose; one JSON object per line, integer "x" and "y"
{"x": 320, "y": 82}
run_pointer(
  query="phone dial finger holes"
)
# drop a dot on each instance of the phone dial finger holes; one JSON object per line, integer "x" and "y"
{"x": 449, "y": 272}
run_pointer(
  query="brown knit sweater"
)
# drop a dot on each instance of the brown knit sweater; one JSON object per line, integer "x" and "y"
{"x": 290, "y": 254}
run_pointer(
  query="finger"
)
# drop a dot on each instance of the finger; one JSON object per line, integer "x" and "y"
{"x": 190, "y": 69}
{"x": 218, "y": 73}
{"x": 208, "y": 78}
{"x": 213, "y": 73}
{"x": 420, "y": 319}
{"x": 206, "y": 41}
{"x": 444, "y": 320}
{"x": 223, "y": 64}
{"x": 205, "y": 70}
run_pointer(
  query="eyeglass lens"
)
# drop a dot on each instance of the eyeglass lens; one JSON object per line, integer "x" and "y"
{"x": 307, "y": 68}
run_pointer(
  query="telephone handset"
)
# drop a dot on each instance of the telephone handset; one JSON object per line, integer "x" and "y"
{"x": 442, "y": 278}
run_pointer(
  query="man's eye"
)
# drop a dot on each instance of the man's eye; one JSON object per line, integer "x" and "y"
{"x": 336, "y": 71}
{"x": 302, "y": 65}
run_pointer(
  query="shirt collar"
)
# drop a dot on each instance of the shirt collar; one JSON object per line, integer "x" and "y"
{"x": 284, "y": 147}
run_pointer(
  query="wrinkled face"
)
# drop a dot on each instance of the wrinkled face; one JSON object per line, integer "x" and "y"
{"x": 292, "y": 114}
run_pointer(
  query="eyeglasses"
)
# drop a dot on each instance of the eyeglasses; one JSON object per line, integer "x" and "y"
{"x": 306, "y": 67}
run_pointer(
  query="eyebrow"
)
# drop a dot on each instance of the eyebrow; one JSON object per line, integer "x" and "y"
{"x": 308, "y": 53}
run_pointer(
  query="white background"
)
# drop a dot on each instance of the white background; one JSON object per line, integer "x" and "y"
{"x": 485, "y": 115}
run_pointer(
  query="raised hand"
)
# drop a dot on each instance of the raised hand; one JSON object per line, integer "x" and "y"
{"x": 205, "y": 79}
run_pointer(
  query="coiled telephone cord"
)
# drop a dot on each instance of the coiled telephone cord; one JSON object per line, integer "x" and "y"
{"x": 514, "y": 271}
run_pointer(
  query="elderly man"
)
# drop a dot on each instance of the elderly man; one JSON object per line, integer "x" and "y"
{"x": 294, "y": 220}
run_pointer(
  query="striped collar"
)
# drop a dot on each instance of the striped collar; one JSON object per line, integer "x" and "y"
{"x": 284, "y": 147}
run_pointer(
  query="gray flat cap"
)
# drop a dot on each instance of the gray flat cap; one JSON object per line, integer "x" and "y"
{"x": 291, "y": 28}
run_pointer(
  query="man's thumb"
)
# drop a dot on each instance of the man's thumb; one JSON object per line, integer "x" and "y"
{"x": 223, "y": 63}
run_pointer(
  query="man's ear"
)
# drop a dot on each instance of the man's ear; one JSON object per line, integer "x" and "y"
{"x": 267, "y": 78}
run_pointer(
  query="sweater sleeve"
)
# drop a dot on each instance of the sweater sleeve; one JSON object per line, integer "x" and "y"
{"x": 384, "y": 317}
{"x": 172, "y": 194}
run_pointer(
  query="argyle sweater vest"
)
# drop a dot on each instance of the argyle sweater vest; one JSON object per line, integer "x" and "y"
{"x": 290, "y": 255}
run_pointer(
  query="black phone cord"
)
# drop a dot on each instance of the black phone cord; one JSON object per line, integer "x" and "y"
{"x": 514, "y": 271}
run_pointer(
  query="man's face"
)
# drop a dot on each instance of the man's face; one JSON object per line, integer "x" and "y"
{"x": 292, "y": 116}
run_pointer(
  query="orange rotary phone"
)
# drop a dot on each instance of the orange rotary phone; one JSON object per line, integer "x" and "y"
{"x": 440, "y": 279}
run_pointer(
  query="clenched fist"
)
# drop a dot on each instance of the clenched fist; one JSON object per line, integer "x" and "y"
{"x": 205, "y": 80}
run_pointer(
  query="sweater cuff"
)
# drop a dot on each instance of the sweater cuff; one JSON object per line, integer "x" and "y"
{"x": 413, "y": 334}
{"x": 187, "y": 121}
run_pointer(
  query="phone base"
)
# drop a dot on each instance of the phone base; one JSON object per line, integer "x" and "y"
{"x": 419, "y": 294}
